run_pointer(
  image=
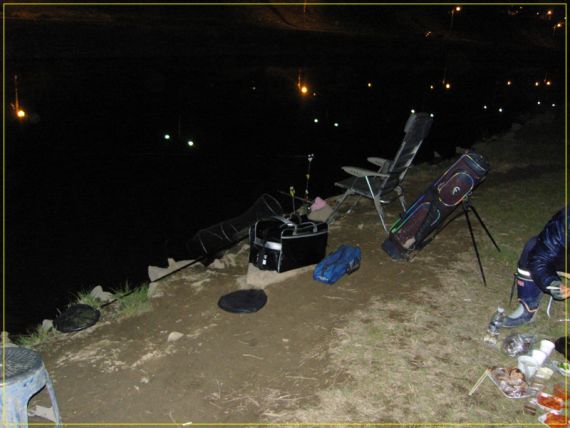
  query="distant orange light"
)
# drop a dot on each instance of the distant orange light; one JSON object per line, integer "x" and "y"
{"x": 559, "y": 25}
{"x": 509, "y": 83}
{"x": 549, "y": 12}
{"x": 21, "y": 114}
{"x": 428, "y": 34}
{"x": 536, "y": 83}
{"x": 448, "y": 86}
{"x": 304, "y": 89}
{"x": 457, "y": 8}
{"x": 548, "y": 83}
{"x": 369, "y": 84}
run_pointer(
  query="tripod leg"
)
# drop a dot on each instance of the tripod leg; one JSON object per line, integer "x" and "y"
{"x": 466, "y": 211}
{"x": 484, "y": 227}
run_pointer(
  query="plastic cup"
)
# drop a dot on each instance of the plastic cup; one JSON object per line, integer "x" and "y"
{"x": 527, "y": 365}
{"x": 538, "y": 356}
{"x": 546, "y": 346}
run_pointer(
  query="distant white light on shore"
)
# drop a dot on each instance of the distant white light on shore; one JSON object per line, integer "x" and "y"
{"x": 253, "y": 88}
{"x": 448, "y": 86}
{"x": 500, "y": 109}
{"x": 314, "y": 94}
{"x": 432, "y": 87}
{"x": 335, "y": 124}
{"x": 431, "y": 115}
{"x": 548, "y": 83}
{"x": 369, "y": 84}
{"x": 412, "y": 111}
{"x": 190, "y": 143}
{"x": 167, "y": 136}
{"x": 509, "y": 83}
{"x": 536, "y": 83}
{"x": 553, "y": 105}
{"x": 484, "y": 107}
{"x": 316, "y": 120}
{"x": 538, "y": 102}
{"x": 457, "y": 8}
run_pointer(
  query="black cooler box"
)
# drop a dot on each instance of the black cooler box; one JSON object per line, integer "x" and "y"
{"x": 282, "y": 244}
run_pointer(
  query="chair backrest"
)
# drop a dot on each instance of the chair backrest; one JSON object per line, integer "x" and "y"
{"x": 416, "y": 130}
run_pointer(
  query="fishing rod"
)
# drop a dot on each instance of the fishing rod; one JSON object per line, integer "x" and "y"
{"x": 296, "y": 197}
{"x": 310, "y": 158}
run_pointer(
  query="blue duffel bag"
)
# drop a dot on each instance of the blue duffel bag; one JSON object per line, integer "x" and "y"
{"x": 333, "y": 267}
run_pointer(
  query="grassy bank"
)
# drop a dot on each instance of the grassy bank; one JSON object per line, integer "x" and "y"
{"x": 413, "y": 358}
{"x": 126, "y": 302}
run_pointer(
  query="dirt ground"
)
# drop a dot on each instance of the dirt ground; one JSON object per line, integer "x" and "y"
{"x": 395, "y": 342}
{"x": 227, "y": 367}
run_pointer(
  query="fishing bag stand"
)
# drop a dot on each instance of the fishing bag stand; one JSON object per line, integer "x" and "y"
{"x": 466, "y": 207}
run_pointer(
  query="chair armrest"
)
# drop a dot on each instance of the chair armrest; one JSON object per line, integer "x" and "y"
{"x": 361, "y": 172}
{"x": 378, "y": 161}
{"x": 382, "y": 163}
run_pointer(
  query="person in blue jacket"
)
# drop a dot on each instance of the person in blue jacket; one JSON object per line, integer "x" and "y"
{"x": 542, "y": 258}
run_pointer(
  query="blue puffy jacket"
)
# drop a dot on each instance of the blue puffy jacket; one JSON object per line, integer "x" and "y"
{"x": 549, "y": 253}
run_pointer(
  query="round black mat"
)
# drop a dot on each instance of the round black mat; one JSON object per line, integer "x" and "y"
{"x": 243, "y": 301}
{"x": 76, "y": 318}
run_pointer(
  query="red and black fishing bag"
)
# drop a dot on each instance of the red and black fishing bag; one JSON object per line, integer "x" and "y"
{"x": 426, "y": 216}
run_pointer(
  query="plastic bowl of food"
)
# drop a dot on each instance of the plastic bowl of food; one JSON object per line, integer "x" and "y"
{"x": 549, "y": 402}
{"x": 544, "y": 373}
{"x": 563, "y": 369}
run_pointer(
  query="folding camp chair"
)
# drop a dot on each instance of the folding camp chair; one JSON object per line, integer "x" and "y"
{"x": 384, "y": 185}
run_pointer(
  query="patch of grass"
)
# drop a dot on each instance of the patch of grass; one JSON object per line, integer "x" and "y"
{"x": 86, "y": 298}
{"x": 39, "y": 336}
{"x": 35, "y": 337}
{"x": 133, "y": 301}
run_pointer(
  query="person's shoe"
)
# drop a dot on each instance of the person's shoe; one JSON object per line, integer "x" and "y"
{"x": 520, "y": 316}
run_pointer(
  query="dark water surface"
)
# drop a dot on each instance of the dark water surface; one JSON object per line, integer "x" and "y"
{"x": 93, "y": 189}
